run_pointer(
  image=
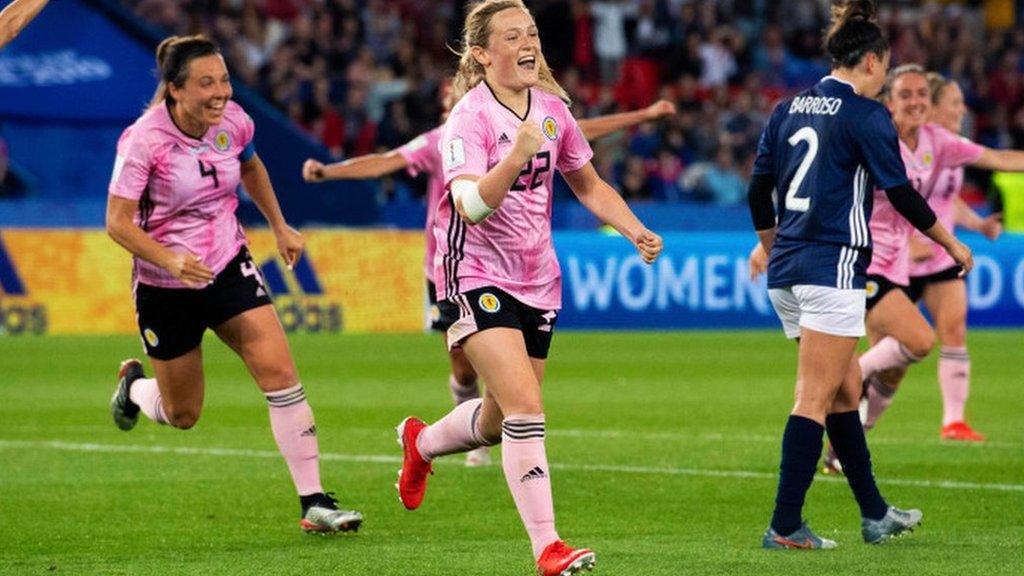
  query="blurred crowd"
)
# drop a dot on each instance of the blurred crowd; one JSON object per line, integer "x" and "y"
{"x": 366, "y": 75}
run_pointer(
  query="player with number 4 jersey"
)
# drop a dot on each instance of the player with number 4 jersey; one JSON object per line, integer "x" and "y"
{"x": 172, "y": 204}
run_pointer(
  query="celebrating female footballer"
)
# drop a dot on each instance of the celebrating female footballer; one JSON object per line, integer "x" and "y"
{"x": 172, "y": 204}
{"x": 508, "y": 131}
{"x": 423, "y": 155}
{"x": 899, "y": 332}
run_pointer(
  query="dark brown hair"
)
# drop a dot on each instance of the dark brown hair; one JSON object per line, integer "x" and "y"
{"x": 173, "y": 56}
{"x": 854, "y": 33}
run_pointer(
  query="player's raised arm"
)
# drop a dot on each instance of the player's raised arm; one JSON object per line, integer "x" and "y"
{"x": 358, "y": 168}
{"x": 601, "y": 126}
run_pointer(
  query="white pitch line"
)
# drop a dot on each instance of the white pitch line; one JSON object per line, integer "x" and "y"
{"x": 395, "y": 459}
{"x": 663, "y": 436}
{"x": 761, "y": 438}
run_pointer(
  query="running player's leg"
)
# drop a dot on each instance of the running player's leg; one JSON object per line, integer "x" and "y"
{"x": 907, "y": 338}
{"x": 501, "y": 358}
{"x": 893, "y": 345}
{"x": 171, "y": 326}
{"x": 460, "y": 430}
{"x": 464, "y": 386}
{"x": 257, "y": 336}
{"x": 178, "y": 391}
{"x": 462, "y": 381}
{"x": 947, "y": 303}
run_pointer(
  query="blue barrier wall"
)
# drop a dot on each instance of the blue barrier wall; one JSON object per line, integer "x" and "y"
{"x": 701, "y": 282}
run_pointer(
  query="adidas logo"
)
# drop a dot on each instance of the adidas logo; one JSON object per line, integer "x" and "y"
{"x": 311, "y": 431}
{"x": 503, "y": 139}
{"x": 535, "y": 474}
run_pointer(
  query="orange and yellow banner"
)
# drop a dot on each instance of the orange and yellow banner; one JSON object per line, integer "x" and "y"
{"x": 79, "y": 282}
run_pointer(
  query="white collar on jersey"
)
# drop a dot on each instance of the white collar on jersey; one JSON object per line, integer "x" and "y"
{"x": 852, "y": 87}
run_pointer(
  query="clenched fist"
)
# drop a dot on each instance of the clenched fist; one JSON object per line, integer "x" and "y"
{"x": 649, "y": 245}
{"x": 528, "y": 141}
{"x": 659, "y": 109}
{"x": 312, "y": 171}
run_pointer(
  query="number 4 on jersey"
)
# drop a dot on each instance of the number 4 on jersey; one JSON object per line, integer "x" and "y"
{"x": 209, "y": 170}
{"x": 808, "y": 135}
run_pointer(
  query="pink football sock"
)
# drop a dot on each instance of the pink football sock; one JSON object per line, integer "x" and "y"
{"x": 462, "y": 393}
{"x": 146, "y": 394}
{"x": 456, "y": 432}
{"x": 887, "y": 353}
{"x": 879, "y": 398}
{"x": 291, "y": 420}
{"x": 955, "y": 381}
{"x": 526, "y": 470}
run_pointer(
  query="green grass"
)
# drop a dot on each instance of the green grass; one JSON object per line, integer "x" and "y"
{"x": 640, "y": 426}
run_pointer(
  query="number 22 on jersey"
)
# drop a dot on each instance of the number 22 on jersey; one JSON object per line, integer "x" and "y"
{"x": 808, "y": 135}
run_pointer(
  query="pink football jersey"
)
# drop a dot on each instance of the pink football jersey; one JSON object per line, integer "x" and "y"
{"x": 186, "y": 187}
{"x": 512, "y": 248}
{"x": 950, "y": 181}
{"x": 937, "y": 150}
{"x": 422, "y": 154}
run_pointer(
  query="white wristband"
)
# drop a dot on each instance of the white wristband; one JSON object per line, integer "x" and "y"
{"x": 467, "y": 193}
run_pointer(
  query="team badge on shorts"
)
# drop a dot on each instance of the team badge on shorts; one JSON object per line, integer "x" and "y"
{"x": 151, "y": 338}
{"x": 870, "y": 289}
{"x": 435, "y": 313}
{"x": 222, "y": 141}
{"x": 489, "y": 302}
{"x": 550, "y": 128}
{"x": 928, "y": 158}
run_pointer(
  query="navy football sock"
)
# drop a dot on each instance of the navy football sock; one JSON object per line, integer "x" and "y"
{"x": 801, "y": 447}
{"x": 847, "y": 436}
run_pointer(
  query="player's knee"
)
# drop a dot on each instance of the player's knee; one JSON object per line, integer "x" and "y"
{"x": 955, "y": 335}
{"x": 183, "y": 418}
{"x": 278, "y": 377}
{"x": 462, "y": 370}
{"x": 464, "y": 378}
{"x": 491, "y": 437}
{"x": 921, "y": 344}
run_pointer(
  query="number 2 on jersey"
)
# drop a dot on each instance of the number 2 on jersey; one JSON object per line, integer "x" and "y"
{"x": 805, "y": 134}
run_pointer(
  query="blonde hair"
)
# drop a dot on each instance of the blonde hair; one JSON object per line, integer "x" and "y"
{"x": 476, "y": 32}
{"x": 937, "y": 83}
{"x": 173, "y": 56}
{"x": 894, "y": 75}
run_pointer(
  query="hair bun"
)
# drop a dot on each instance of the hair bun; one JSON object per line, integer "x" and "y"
{"x": 852, "y": 10}
{"x": 861, "y": 10}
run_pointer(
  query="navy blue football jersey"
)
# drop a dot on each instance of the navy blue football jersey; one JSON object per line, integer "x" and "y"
{"x": 826, "y": 148}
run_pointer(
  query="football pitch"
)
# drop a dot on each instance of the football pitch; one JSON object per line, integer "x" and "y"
{"x": 663, "y": 447}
